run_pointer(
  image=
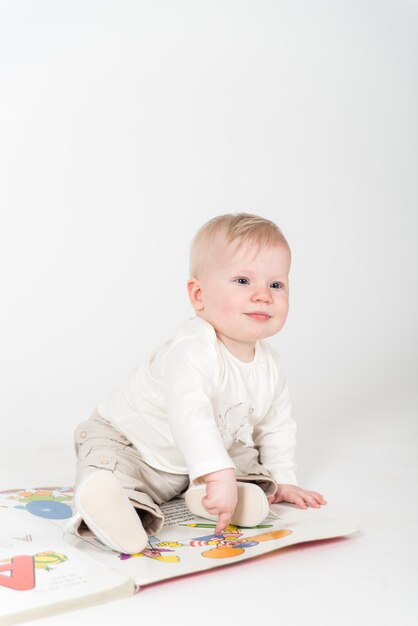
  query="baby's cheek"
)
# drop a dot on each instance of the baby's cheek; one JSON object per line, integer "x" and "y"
{"x": 283, "y": 311}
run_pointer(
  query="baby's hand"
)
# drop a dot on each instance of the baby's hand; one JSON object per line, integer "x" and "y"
{"x": 221, "y": 496}
{"x": 295, "y": 495}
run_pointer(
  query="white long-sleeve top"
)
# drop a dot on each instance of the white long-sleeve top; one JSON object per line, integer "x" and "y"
{"x": 193, "y": 399}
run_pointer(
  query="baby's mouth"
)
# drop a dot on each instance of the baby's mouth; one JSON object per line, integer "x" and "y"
{"x": 262, "y": 317}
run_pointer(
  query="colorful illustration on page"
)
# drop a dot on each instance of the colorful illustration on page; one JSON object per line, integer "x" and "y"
{"x": 18, "y": 572}
{"x": 45, "y": 502}
{"x": 226, "y": 545}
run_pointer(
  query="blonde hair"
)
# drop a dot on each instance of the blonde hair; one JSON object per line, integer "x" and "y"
{"x": 244, "y": 228}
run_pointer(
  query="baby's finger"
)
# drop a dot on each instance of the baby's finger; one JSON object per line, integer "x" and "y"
{"x": 299, "y": 501}
{"x": 309, "y": 499}
{"x": 209, "y": 505}
{"x": 212, "y": 511}
{"x": 318, "y": 497}
{"x": 224, "y": 520}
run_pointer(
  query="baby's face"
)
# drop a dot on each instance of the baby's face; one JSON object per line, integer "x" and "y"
{"x": 244, "y": 295}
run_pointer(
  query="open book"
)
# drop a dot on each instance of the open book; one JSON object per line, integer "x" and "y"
{"x": 41, "y": 573}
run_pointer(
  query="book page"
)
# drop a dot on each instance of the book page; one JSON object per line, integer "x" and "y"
{"x": 186, "y": 543}
{"x": 40, "y": 574}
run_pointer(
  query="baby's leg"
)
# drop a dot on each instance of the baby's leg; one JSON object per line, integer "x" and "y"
{"x": 249, "y": 470}
{"x": 254, "y": 485}
{"x": 251, "y": 509}
{"x": 117, "y": 493}
{"x": 106, "y": 509}
{"x": 101, "y": 503}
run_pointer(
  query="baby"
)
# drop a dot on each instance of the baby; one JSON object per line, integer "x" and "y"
{"x": 208, "y": 413}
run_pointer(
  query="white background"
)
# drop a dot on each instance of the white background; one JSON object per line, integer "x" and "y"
{"x": 126, "y": 125}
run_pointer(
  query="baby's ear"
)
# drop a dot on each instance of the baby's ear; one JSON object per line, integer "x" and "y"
{"x": 195, "y": 293}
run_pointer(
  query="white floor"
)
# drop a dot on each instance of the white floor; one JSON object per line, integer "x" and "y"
{"x": 367, "y": 579}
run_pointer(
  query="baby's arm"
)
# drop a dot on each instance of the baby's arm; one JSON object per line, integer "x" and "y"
{"x": 191, "y": 375}
{"x": 221, "y": 496}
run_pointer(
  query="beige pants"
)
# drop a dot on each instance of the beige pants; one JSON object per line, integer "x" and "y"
{"x": 99, "y": 445}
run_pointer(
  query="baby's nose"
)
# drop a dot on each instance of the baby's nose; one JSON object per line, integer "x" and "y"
{"x": 262, "y": 294}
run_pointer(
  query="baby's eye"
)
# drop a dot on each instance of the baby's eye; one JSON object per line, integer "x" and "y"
{"x": 276, "y": 285}
{"x": 242, "y": 281}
